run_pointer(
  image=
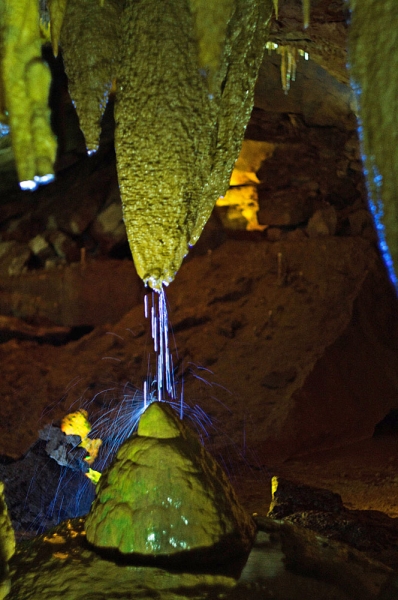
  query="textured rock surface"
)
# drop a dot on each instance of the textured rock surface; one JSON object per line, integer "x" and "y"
{"x": 25, "y": 84}
{"x": 373, "y": 40}
{"x": 171, "y": 174}
{"x": 89, "y": 40}
{"x": 165, "y": 495}
{"x": 7, "y": 544}
{"x": 317, "y": 568}
{"x": 61, "y": 561}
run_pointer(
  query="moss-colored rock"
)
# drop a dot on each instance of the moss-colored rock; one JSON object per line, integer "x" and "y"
{"x": 164, "y": 496}
{"x": 26, "y": 83}
{"x": 179, "y": 127}
{"x": 7, "y": 544}
{"x": 373, "y": 42}
{"x": 90, "y": 45}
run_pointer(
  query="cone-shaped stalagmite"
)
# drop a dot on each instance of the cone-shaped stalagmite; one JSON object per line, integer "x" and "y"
{"x": 179, "y": 124}
{"x": 26, "y": 83}
{"x": 373, "y": 43}
{"x": 90, "y": 45}
{"x": 164, "y": 495}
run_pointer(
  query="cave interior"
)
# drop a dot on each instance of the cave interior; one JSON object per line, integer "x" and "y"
{"x": 283, "y": 316}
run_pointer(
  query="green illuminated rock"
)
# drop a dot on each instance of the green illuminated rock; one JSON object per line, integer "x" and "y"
{"x": 183, "y": 104}
{"x": 164, "y": 496}
{"x": 25, "y": 83}
{"x": 7, "y": 544}
{"x": 373, "y": 57}
{"x": 89, "y": 39}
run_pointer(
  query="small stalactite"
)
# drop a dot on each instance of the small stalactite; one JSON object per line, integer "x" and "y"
{"x": 57, "y": 10}
{"x": 289, "y": 55}
{"x": 306, "y": 11}
{"x": 90, "y": 56}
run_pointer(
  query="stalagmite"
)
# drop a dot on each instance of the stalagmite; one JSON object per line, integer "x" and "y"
{"x": 26, "y": 82}
{"x": 373, "y": 40}
{"x": 90, "y": 45}
{"x": 177, "y": 133}
{"x": 165, "y": 496}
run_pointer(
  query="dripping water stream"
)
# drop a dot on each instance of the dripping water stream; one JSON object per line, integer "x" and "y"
{"x": 165, "y": 383}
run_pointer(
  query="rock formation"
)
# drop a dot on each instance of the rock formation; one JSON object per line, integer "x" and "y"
{"x": 7, "y": 545}
{"x": 165, "y": 496}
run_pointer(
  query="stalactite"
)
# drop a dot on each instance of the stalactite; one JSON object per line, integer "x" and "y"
{"x": 306, "y": 13}
{"x": 90, "y": 45}
{"x": 176, "y": 144}
{"x": 26, "y": 82}
{"x": 57, "y": 9}
{"x": 210, "y": 23}
{"x": 276, "y": 8}
{"x": 289, "y": 55}
{"x": 373, "y": 40}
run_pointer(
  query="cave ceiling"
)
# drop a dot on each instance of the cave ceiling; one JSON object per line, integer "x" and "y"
{"x": 162, "y": 219}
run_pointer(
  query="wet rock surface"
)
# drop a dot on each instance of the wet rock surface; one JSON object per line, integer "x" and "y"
{"x": 164, "y": 496}
{"x": 286, "y": 563}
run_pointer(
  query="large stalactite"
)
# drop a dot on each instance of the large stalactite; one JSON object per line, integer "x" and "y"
{"x": 373, "y": 42}
{"x": 179, "y": 124}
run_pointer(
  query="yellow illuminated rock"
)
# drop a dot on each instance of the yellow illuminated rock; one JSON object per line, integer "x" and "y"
{"x": 7, "y": 544}
{"x": 243, "y": 202}
{"x": 57, "y": 10}
{"x": 90, "y": 44}
{"x": 242, "y": 196}
{"x": 177, "y": 141}
{"x": 26, "y": 83}
{"x": 164, "y": 495}
{"x": 77, "y": 423}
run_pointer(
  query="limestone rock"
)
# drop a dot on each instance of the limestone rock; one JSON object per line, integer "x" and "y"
{"x": 285, "y": 207}
{"x": 89, "y": 39}
{"x": 26, "y": 80}
{"x": 60, "y": 565}
{"x": 289, "y": 497}
{"x": 7, "y": 544}
{"x": 373, "y": 37}
{"x": 13, "y": 258}
{"x": 317, "y": 568}
{"x": 322, "y": 511}
{"x": 171, "y": 174}
{"x": 108, "y": 228}
{"x": 323, "y": 222}
{"x": 164, "y": 495}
